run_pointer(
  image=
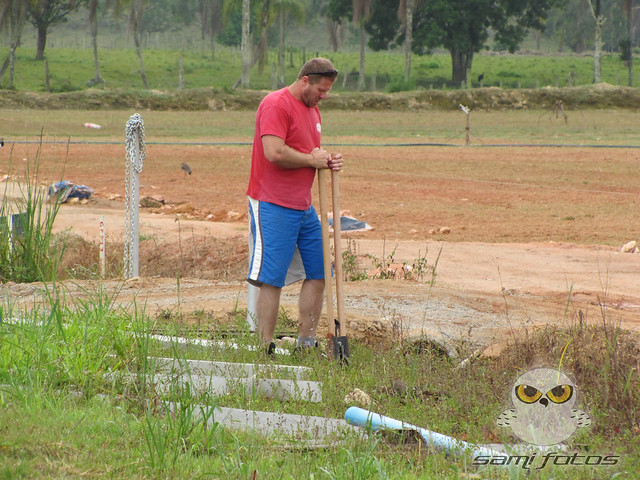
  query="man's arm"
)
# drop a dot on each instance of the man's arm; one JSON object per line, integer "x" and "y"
{"x": 278, "y": 152}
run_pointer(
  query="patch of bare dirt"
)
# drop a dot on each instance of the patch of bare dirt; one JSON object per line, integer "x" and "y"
{"x": 509, "y": 255}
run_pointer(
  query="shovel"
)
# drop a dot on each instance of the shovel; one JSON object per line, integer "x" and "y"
{"x": 338, "y": 339}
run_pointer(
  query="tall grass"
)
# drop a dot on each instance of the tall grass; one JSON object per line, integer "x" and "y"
{"x": 54, "y": 425}
{"x": 28, "y": 248}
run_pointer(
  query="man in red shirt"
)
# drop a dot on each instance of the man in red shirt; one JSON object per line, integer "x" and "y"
{"x": 286, "y": 154}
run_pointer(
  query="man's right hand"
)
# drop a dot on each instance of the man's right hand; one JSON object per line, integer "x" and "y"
{"x": 320, "y": 158}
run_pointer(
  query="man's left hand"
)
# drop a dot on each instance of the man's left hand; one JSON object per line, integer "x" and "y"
{"x": 335, "y": 162}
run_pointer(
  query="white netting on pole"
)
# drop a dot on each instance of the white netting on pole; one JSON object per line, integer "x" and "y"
{"x": 136, "y": 154}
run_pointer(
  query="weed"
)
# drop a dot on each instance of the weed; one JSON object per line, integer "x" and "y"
{"x": 350, "y": 267}
{"x": 27, "y": 244}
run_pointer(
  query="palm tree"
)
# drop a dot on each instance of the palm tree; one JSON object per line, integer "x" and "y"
{"x": 246, "y": 44}
{"x": 93, "y": 28}
{"x": 405, "y": 15}
{"x": 596, "y": 13}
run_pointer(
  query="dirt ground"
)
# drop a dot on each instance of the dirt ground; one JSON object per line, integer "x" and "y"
{"x": 515, "y": 242}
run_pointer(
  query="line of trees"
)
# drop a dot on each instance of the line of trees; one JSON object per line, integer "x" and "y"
{"x": 462, "y": 27}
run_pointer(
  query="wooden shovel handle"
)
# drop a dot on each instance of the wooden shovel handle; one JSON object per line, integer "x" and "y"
{"x": 326, "y": 250}
{"x": 337, "y": 246}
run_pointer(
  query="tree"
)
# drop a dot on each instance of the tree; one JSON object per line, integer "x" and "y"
{"x": 246, "y": 44}
{"x": 44, "y": 14}
{"x": 136, "y": 10}
{"x": 627, "y": 7}
{"x": 361, "y": 13}
{"x": 210, "y": 20}
{"x": 287, "y": 11}
{"x": 464, "y": 27}
{"x": 570, "y": 26}
{"x": 337, "y": 11}
{"x": 93, "y": 28}
{"x": 405, "y": 15}
{"x": 12, "y": 18}
{"x": 596, "y": 12}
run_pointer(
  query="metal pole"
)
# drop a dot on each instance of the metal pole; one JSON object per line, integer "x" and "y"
{"x": 135, "y": 156}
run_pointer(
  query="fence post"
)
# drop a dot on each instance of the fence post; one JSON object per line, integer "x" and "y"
{"x": 103, "y": 257}
{"x": 135, "y": 156}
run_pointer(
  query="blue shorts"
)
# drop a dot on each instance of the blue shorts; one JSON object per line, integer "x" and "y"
{"x": 278, "y": 233}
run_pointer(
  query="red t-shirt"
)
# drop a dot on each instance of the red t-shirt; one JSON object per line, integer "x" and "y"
{"x": 282, "y": 115}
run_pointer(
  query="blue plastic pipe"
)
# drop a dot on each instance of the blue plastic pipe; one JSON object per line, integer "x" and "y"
{"x": 364, "y": 418}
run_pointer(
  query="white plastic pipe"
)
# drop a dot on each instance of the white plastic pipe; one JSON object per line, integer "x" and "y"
{"x": 364, "y": 418}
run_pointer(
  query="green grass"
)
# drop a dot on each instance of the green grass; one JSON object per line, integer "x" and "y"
{"x": 605, "y": 127}
{"x": 72, "y": 69}
{"x": 60, "y": 418}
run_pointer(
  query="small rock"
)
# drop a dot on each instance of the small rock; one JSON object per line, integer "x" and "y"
{"x": 629, "y": 247}
{"x": 358, "y": 397}
{"x": 150, "y": 202}
{"x": 284, "y": 341}
{"x": 444, "y": 230}
{"x": 432, "y": 231}
{"x": 231, "y": 215}
{"x": 183, "y": 208}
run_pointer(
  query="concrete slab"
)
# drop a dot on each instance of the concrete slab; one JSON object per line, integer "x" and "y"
{"x": 228, "y": 369}
{"x": 203, "y": 342}
{"x": 286, "y": 390}
{"x": 307, "y": 430}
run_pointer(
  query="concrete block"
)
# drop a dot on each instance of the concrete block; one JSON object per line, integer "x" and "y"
{"x": 227, "y": 369}
{"x": 308, "y": 430}
{"x": 299, "y": 390}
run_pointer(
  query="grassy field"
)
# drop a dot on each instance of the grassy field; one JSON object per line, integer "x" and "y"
{"x": 71, "y": 69}
{"x": 588, "y": 127}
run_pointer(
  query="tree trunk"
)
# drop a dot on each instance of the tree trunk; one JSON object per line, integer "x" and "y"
{"x": 41, "y": 42}
{"x": 363, "y": 44}
{"x": 281, "y": 51}
{"x": 461, "y": 64}
{"x": 16, "y": 23}
{"x": 597, "y": 47}
{"x": 408, "y": 39}
{"x": 93, "y": 27}
{"x": 245, "y": 43}
{"x": 4, "y": 66}
{"x": 630, "y": 37}
{"x": 136, "y": 38}
{"x": 597, "y": 51}
{"x": 335, "y": 30}
{"x": 12, "y": 65}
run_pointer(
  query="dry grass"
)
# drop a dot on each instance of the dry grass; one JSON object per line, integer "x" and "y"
{"x": 602, "y": 358}
{"x": 207, "y": 258}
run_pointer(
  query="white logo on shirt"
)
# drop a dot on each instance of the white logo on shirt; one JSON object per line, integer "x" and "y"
{"x": 318, "y": 127}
